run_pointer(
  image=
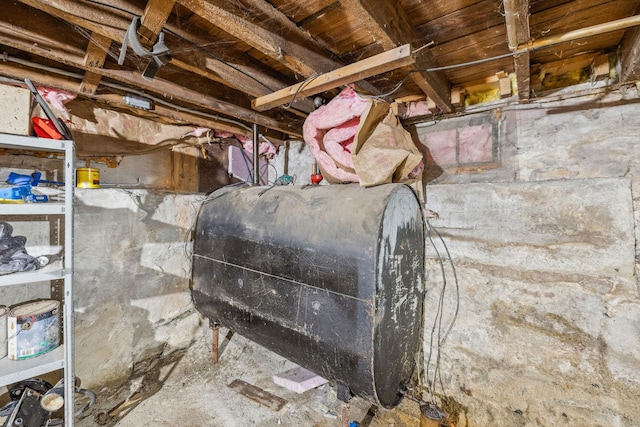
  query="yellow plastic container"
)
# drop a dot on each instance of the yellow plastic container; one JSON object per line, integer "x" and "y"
{"x": 87, "y": 178}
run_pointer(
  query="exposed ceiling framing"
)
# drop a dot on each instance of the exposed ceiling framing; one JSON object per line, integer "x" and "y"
{"x": 227, "y": 57}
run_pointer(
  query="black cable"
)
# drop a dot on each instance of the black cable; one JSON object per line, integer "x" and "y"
{"x": 303, "y": 84}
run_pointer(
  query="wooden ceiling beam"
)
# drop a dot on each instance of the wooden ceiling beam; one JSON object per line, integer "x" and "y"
{"x": 630, "y": 56}
{"x": 286, "y": 43}
{"x": 389, "y": 27}
{"x": 377, "y": 64}
{"x": 162, "y": 88}
{"x": 153, "y": 19}
{"x": 113, "y": 26}
{"x": 179, "y": 93}
{"x": 106, "y": 22}
{"x": 184, "y": 117}
{"x": 95, "y": 56}
{"x": 518, "y": 32}
{"x": 297, "y": 55}
{"x": 48, "y": 79}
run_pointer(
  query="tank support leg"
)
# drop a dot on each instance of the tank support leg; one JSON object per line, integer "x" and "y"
{"x": 215, "y": 327}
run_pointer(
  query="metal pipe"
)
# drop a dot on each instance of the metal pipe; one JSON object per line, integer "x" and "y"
{"x": 256, "y": 154}
{"x": 510, "y": 20}
{"x": 593, "y": 30}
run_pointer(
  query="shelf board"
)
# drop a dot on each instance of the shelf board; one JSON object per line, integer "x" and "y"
{"x": 32, "y": 208}
{"x": 31, "y": 276}
{"x": 12, "y": 371}
{"x": 32, "y": 143}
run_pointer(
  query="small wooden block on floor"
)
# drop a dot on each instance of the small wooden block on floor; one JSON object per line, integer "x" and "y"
{"x": 298, "y": 379}
{"x": 258, "y": 395}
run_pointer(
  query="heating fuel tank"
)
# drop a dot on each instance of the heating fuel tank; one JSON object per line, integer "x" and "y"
{"x": 329, "y": 277}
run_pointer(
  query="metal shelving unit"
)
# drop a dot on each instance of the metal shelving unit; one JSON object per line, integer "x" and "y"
{"x": 12, "y": 371}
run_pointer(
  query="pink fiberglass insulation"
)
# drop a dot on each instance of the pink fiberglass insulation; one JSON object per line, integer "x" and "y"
{"x": 338, "y": 142}
{"x": 341, "y": 113}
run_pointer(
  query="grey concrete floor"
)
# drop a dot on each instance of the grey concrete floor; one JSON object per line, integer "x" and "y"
{"x": 189, "y": 390}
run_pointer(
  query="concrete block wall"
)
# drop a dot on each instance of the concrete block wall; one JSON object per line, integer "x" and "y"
{"x": 540, "y": 216}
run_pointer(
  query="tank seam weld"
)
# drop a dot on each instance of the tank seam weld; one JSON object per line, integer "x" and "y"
{"x": 281, "y": 278}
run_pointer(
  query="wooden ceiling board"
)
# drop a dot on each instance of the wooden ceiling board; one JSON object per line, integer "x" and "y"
{"x": 462, "y": 75}
{"x": 421, "y": 11}
{"x": 461, "y": 23}
{"x": 483, "y": 44}
{"x": 53, "y": 33}
{"x": 568, "y": 17}
{"x": 597, "y": 44}
{"x": 299, "y": 11}
{"x": 340, "y": 32}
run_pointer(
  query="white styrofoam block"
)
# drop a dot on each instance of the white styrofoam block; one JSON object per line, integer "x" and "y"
{"x": 298, "y": 379}
{"x": 15, "y": 117}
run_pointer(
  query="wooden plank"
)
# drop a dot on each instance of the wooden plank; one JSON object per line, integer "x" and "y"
{"x": 386, "y": 61}
{"x": 184, "y": 169}
{"x": 601, "y": 67}
{"x": 504, "y": 84}
{"x": 457, "y": 96}
{"x": 258, "y": 395}
{"x": 390, "y": 27}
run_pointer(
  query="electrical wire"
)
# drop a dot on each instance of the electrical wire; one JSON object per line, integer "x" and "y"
{"x": 429, "y": 70}
{"x": 300, "y": 87}
{"x": 438, "y": 321}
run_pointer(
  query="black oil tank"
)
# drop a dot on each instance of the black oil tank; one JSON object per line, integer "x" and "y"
{"x": 329, "y": 277}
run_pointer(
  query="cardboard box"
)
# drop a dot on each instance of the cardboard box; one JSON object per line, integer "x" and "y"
{"x": 15, "y": 110}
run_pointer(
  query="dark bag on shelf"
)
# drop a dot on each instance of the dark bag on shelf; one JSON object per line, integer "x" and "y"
{"x": 13, "y": 255}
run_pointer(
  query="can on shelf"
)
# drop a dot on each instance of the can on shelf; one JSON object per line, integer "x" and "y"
{"x": 87, "y": 178}
{"x": 33, "y": 329}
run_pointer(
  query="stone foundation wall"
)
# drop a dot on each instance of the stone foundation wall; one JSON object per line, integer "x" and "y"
{"x": 540, "y": 222}
{"x": 131, "y": 279}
